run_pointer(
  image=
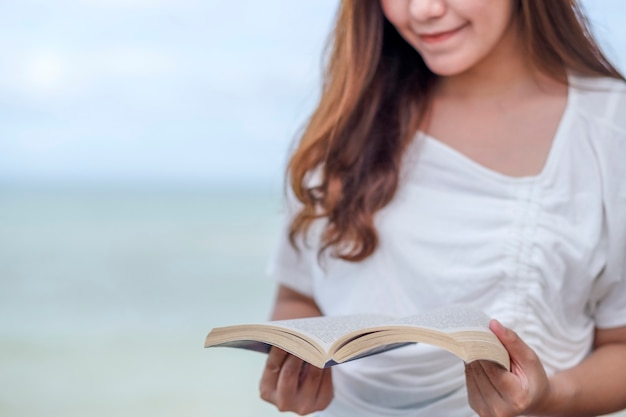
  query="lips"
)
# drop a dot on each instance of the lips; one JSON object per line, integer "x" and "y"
{"x": 437, "y": 37}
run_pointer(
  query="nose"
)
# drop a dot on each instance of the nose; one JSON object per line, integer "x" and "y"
{"x": 423, "y": 10}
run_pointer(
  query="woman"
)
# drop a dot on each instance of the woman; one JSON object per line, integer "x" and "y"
{"x": 462, "y": 151}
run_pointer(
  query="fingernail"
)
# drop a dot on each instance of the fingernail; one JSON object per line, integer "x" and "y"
{"x": 498, "y": 326}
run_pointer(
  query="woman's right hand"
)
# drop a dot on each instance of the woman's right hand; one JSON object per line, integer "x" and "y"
{"x": 294, "y": 385}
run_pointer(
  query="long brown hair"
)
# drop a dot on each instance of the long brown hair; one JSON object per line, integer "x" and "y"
{"x": 375, "y": 93}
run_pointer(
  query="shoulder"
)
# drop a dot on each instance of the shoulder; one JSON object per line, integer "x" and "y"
{"x": 597, "y": 132}
{"x": 601, "y": 101}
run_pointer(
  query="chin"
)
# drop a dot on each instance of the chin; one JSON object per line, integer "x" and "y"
{"x": 449, "y": 67}
{"x": 448, "y": 71}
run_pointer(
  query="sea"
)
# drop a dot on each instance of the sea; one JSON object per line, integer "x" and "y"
{"x": 107, "y": 294}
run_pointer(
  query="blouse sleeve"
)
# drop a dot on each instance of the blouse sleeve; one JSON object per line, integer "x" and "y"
{"x": 290, "y": 266}
{"x": 610, "y": 288}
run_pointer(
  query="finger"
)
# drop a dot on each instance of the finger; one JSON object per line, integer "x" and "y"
{"x": 513, "y": 396}
{"x": 525, "y": 364}
{"x": 287, "y": 385}
{"x": 519, "y": 351}
{"x": 500, "y": 379}
{"x": 475, "y": 396}
{"x": 495, "y": 393}
{"x": 504, "y": 388}
{"x": 309, "y": 382}
{"x": 269, "y": 379}
{"x": 311, "y": 379}
{"x": 325, "y": 391}
{"x": 481, "y": 380}
{"x": 527, "y": 382}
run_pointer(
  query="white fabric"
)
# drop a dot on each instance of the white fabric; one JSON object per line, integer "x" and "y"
{"x": 545, "y": 254}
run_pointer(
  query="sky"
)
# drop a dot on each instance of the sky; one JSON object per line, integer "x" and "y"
{"x": 170, "y": 91}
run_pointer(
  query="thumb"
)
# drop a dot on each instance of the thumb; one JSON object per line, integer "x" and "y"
{"x": 525, "y": 366}
{"x": 519, "y": 351}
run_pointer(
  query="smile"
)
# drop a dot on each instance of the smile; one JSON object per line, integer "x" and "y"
{"x": 437, "y": 37}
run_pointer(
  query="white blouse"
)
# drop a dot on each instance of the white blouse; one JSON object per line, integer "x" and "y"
{"x": 546, "y": 255}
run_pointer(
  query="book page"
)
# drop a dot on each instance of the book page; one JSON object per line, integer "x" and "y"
{"x": 327, "y": 330}
{"x": 449, "y": 319}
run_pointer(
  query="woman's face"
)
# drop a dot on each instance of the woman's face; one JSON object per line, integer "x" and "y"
{"x": 453, "y": 36}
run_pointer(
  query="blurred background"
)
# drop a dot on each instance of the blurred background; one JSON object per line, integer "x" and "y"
{"x": 142, "y": 147}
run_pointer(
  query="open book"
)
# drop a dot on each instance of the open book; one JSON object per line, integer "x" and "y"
{"x": 326, "y": 341}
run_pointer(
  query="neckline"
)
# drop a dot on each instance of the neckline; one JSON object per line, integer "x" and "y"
{"x": 553, "y": 153}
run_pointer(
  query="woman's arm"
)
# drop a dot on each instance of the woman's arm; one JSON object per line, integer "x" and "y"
{"x": 291, "y": 304}
{"x": 288, "y": 382}
{"x": 595, "y": 386}
{"x": 598, "y": 384}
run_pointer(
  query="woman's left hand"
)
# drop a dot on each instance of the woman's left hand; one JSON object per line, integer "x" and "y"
{"x": 496, "y": 392}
